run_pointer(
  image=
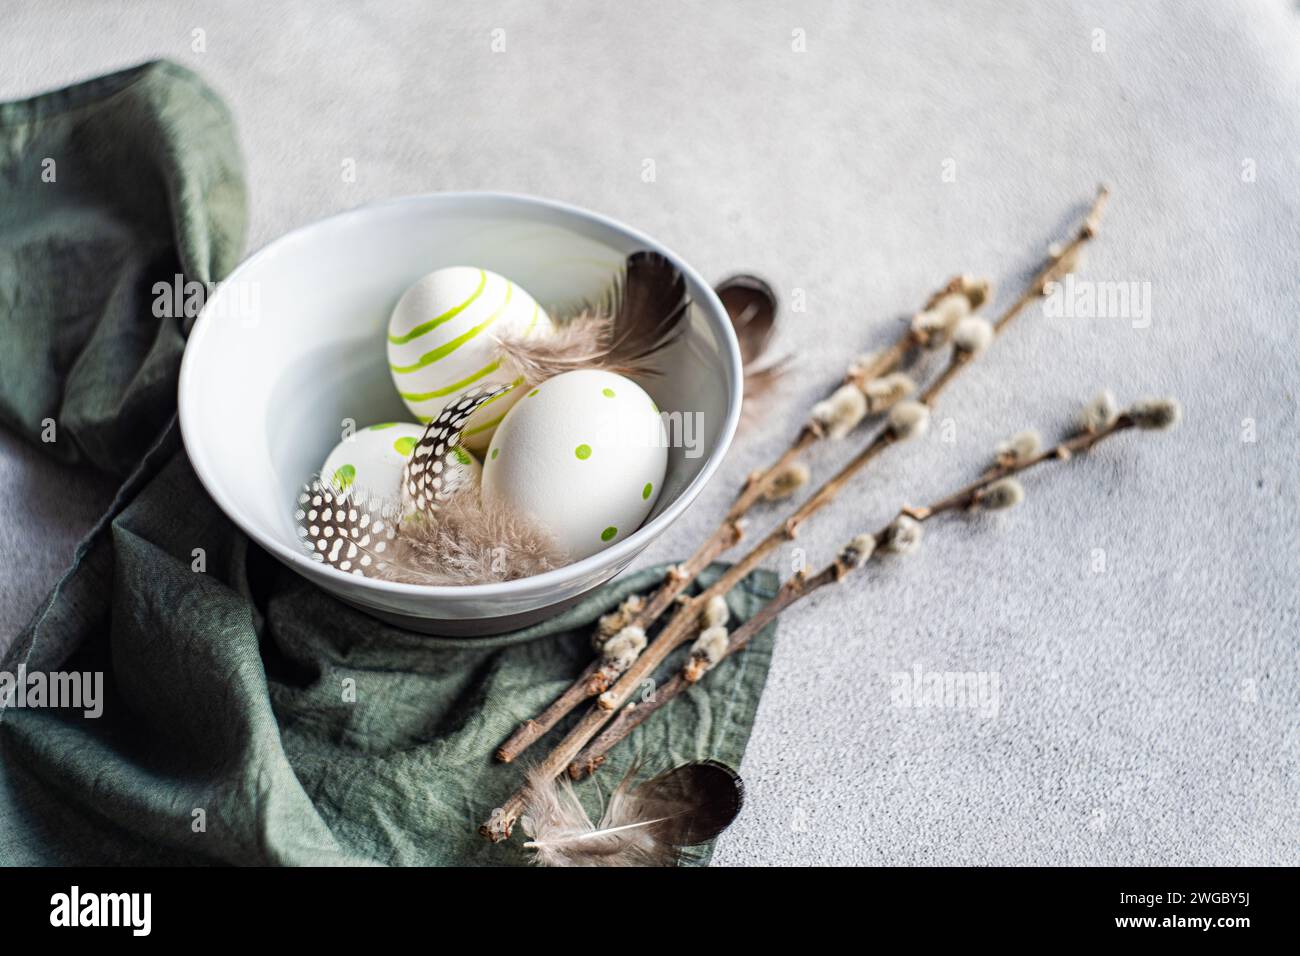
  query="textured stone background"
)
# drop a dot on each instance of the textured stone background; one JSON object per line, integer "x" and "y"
{"x": 1148, "y": 714}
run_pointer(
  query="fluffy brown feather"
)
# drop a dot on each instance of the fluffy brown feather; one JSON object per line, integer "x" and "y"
{"x": 643, "y": 824}
{"x": 459, "y": 543}
{"x": 464, "y": 543}
{"x": 579, "y": 342}
{"x": 759, "y": 382}
{"x": 641, "y": 315}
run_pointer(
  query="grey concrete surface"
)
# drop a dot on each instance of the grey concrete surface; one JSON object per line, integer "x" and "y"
{"x": 1139, "y": 613}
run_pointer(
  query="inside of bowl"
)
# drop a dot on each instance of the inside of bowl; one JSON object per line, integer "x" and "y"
{"x": 290, "y": 352}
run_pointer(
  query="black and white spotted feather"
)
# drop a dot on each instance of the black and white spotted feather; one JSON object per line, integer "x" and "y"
{"x": 343, "y": 530}
{"x": 422, "y": 478}
{"x": 362, "y": 535}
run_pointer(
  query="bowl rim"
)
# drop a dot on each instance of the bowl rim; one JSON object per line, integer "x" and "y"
{"x": 622, "y": 552}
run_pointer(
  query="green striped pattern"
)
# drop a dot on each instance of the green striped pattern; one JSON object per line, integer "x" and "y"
{"x": 416, "y": 371}
{"x": 442, "y": 351}
{"x": 447, "y": 316}
{"x": 454, "y": 388}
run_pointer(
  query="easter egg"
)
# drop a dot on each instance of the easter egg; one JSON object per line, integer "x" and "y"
{"x": 583, "y": 455}
{"x": 441, "y": 341}
{"x": 371, "y": 461}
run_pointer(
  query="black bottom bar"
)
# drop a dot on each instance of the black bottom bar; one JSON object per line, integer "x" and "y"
{"x": 210, "y": 905}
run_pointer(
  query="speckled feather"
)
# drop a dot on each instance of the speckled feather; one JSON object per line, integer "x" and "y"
{"x": 422, "y": 478}
{"x": 344, "y": 530}
{"x": 449, "y": 539}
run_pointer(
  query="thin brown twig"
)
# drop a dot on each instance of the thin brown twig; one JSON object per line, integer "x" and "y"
{"x": 1060, "y": 261}
{"x": 799, "y": 586}
{"x": 968, "y": 496}
{"x": 593, "y": 680}
{"x": 681, "y": 626}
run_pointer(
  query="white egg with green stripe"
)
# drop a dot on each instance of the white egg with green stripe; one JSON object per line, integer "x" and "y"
{"x": 442, "y": 340}
{"x": 370, "y": 461}
{"x": 583, "y": 455}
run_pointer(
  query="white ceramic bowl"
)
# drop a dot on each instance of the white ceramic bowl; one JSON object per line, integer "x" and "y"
{"x": 292, "y": 344}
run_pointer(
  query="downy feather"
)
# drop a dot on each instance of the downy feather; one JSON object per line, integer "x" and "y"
{"x": 647, "y": 824}
{"x": 641, "y": 315}
{"x": 430, "y": 535}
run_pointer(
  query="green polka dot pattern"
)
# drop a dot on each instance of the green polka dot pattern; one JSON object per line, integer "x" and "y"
{"x": 608, "y": 534}
{"x": 583, "y": 452}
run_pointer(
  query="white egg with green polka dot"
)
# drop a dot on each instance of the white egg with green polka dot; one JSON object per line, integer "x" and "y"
{"x": 442, "y": 341}
{"x": 371, "y": 460}
{"x": 583, "y": 455}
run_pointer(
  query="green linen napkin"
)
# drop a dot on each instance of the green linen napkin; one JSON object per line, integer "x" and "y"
{"x": 248, "y": 717}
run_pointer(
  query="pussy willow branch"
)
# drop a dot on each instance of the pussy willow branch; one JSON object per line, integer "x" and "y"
{"x": 893, "y": 356}
{"x": 634, "y": 714}
{"x": 799, "y": 586}
{"x": 1061, "y": 260}
{"x": 681, "y": 626}
{"x": 598, "y": 676}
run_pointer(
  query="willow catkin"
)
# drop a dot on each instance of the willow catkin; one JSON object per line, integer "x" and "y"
{"x": 909, "y": 419}
{"x": 837, "y": 415}
{"x": 933, "y": 327}
{"x": 624, "y": 647}
{"x": 887, "y": 391}
{"x": 972, "y": 336}
{"x": 1002, "y": 494}
{"x": 903, "y": 536}
{"x": 1100, "y": 413}
{"x": 859, "y": 551}
{"x": 613, "y": 622}
{"x": 1019, "y": 448}
{"x": 709, "y": 648}
{"x": 787, "y": 481}
{"x": 716, "y": 611}
{"x": 1155, "y": 413}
